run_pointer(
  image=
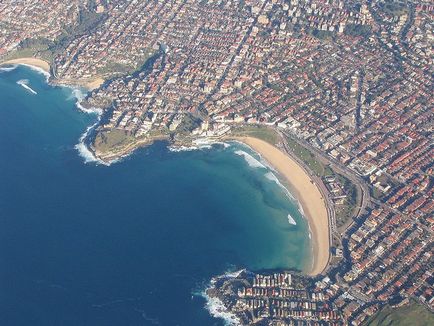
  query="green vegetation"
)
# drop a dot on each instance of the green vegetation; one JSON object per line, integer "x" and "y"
{"x": 261, "y": 132}
{"x": 21, "y": 53}
{"x": 394, "y": 7}
{"x": 345, "y": 212}
{"x": 357, "y": 30}
{"x": 37, "y": 47}
{"x": 322, "y": 35}
{"x": 111, "y": 68}
{"x": 275, "y": 87}
{"x": 188, "y": 124}
{"x": 39, "y": 43}
{"x": 106, "y": 141}
{"x": 88, "y": 20}
{"x": 413, "y": 314}
{"x": 317, "y": 167}
{"x": 47, "y": 49}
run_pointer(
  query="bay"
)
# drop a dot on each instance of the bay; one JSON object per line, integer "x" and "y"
{"x": 134, "y": 243}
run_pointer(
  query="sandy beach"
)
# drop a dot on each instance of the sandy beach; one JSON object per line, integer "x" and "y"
{"x": 307, "y": 193}
{"x": 39, "y": 63}
{"x": 31, "y": 62}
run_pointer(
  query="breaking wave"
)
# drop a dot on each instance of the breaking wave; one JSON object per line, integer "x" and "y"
{"x": 217, "y": 309}
{"x": 215, "y": 306}
{"x": 251, "y": 161}
{"x": 25, "y": 83}
{"x": 197, "y": 146}
{"x": 82, "y": 148}
{"x": 272, "y": 177}
{"x": 291, "y": 220}
{"x": 300, "y": 208}
{"x": 79, "y": 95}
{"x": 38, "y": 70}
{"x": 207, "y": 142}
{"x": 224, "y": 144}
{"x": 8, "y": 68}
{"x": 182, "y": 148}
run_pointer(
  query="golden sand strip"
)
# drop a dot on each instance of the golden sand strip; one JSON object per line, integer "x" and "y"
{"x": 307, "y": 193}
{"x": 39, "y": 63}
{"x": 31, "y": 62}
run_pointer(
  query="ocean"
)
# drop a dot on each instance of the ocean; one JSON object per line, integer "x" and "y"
{"x": 133, "y": 243}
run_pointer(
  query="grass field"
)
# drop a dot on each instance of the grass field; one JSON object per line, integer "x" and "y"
{"x": 413, "y": 314}
{"x": 109, "y": 140}
{"x": 344, "y": 212}
{"x": 309, "y": 158}
{"x": 261, "y": 132}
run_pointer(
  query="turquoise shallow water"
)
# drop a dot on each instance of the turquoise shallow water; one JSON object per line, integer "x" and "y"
{"x": 132, "y": 243}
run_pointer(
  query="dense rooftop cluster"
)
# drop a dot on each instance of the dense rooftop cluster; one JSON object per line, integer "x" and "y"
{"x": 389, "y": 252}
{"x": 351, "y": 79}
{"x": 279, "y": 298}
{"x": 22, "y": 20}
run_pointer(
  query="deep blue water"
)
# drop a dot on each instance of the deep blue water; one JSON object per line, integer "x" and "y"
{"x": 129, "y": 244}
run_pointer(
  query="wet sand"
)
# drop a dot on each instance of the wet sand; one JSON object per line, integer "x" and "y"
{"x": 29, "y": 61}
{"x": 307, "y": 193}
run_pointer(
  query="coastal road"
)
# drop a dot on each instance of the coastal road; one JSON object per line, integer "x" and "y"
{"x": 341, "y": 169}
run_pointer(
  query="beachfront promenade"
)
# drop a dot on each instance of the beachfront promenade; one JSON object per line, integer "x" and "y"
{"x": 339, "y": 168}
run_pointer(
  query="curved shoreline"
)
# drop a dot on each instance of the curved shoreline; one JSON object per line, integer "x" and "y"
{"x": 311, "y": 200}
{"x": 38, "y": 63}
{"x": 45, "y": 66}
{"x": 308, "y": 194}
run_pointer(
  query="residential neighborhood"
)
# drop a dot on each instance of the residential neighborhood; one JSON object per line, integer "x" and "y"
{"x": 349, "y": 80}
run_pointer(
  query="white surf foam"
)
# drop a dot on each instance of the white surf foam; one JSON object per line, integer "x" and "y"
{"x": 174, "y": 148}
{"x": 272, "y": 177}
{"x": 7, "y": 69}
{"x": 251, "y": 161}
{"x": 182, "y": 148}
{"x": 216, "y": 307}
{"x": 38, "y": 70}
{"x": 233, "y": 274}
{"x": 291, "y": 220}
{"x": 83, "y": 150}
{"x": 25, "y": 83}
{"x": 300, "y": 208}
{"x": 79, "y": 95}
{"x": 224, "y": 144}
{"x": 202, "y": 141}
{"x": 206, "y": 143}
